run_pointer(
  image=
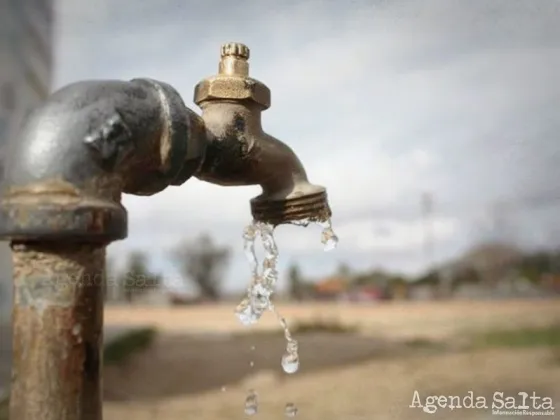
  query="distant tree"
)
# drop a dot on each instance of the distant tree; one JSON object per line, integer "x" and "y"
{"x": 137, "y": 277}
{"x": 344, "y": 270}
{"x": 114, "y": 281}
{"x": 296, "y": 286}
{"x": 535, "y": 265}
{"x": 492, "y": 261}
{"x": 396, "y": 287}
{"x": 109, "y": 275}
{"x": 429, "y": 278}
{"x": 202, "y": 262}
{"x": 371, "y": 278}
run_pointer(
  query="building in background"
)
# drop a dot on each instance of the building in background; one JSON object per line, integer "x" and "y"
{"x": 26, "y": 63}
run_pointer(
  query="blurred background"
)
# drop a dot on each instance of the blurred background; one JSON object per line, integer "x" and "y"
{"x": 434, "y": 125}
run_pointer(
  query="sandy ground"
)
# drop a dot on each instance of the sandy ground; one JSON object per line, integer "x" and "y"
{"x": 381, "y": 389}
{"x": 406, "y": 319}
{"x": 191, "y": 371}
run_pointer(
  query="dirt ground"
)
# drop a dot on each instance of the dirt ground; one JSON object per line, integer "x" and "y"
{"x": 198, "y": 369}
{"x": 404, "y": 319}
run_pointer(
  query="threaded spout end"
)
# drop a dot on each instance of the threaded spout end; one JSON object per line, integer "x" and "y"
{"x": 312, "y": 208}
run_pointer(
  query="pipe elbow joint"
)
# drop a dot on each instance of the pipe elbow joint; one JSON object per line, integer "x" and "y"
{"x": 89, "y": 142}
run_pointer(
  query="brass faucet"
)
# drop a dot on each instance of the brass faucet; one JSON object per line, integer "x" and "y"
{"x": 73, "y": 158}
{"x": 239, "y": 152}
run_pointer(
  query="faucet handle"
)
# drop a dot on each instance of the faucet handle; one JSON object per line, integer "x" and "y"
{"x": 233, "y": 60}
{"x": 235, "y": 49}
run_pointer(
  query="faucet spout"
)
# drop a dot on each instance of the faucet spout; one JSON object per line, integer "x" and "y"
{"x": 240, "y": 152}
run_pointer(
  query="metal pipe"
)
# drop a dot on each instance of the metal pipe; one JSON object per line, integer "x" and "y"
{"x": 75, "y": 156}
{"x": 58, "y": 331}
{"x": 86, "y": 145}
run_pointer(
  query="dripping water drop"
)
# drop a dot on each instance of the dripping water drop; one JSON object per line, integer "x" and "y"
{"x": 261, "y": 288}
{"x": 290, "y": 359}
{"x": 251, "y": 403}
{"x": 328, "y": 237}
{"x": 290, "y": 410}
{"x": 290, "y": 363}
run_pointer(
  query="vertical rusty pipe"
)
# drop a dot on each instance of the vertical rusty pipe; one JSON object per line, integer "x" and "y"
{"x": 58, "y": 331}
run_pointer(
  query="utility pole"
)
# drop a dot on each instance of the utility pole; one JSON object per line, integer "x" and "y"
{"x": 427, "y": 205}
{"x": 443, "y": 279}
{"x": 499, "y": 223}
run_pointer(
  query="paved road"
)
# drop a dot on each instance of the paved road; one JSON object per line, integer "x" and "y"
{"x": 6, "y": 350}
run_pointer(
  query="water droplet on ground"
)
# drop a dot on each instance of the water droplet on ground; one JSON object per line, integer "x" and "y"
{"x": 290, "y": 410}
{"x": 251, "y": 403}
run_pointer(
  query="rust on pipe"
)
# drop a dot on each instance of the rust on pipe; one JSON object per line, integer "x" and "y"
{"x": 58, "y": 331}
{"x": 74, "y": 157}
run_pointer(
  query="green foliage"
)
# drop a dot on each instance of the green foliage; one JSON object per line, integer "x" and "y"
{"x": 525, "y": 337}
{"x": 202, "y": 262}
{"x": 332, "y": 326}
{"x": 296, "y": 283}
{"x": 421, "y": 343}
{"x": 344, "y": 270}
{"x": 430, "y": 278}
{"x": 129, "y": 343}
{"x": 533, "y": 266}
{"x": 137, "y": 277}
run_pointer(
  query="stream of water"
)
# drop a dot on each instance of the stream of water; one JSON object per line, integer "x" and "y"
{"x": 261, "y": 289}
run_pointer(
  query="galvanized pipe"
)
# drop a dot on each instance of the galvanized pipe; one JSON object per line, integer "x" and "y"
{"x": 58, "y": 331}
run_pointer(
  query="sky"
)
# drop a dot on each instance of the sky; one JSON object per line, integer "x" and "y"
{"x": 383, "y": 101}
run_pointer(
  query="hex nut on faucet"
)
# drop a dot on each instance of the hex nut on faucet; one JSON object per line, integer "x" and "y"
{"x": 232, "y": 81}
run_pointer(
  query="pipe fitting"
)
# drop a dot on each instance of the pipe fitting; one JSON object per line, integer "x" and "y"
{"x": 239, "y": 152}
{"x": 86, "y": 145}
